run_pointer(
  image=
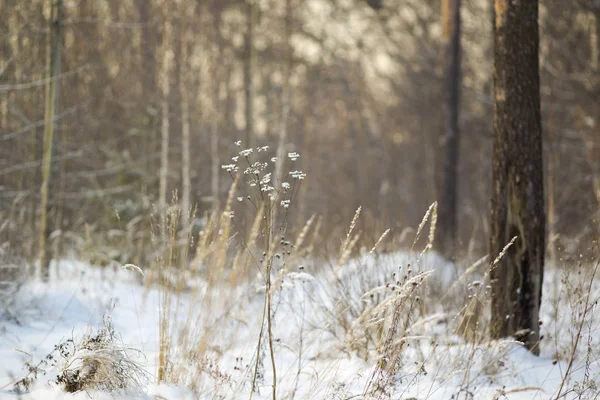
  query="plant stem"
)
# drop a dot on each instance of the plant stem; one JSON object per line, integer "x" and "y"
{"x": 268, "y": 300}
{"x": 267, "y": 309}
{"x": 258, "y": 353}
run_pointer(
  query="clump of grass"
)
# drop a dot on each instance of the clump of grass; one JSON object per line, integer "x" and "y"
{"x": 397, "y": 312}
{"x": 100, "y": 361}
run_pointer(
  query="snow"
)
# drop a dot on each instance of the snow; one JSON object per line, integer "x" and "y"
{"x": 312, "y": 353}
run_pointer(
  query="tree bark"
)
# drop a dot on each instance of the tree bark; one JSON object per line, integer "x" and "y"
{"x": 448, "y": 204}
{"x": 517, "y": 192}
{"x": 52, "y": 96}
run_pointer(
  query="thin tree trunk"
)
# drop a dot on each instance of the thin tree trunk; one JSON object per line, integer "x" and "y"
{"x": 448, "y": 204}
{"x": 591, "y": 153}
{"x": 52, "y": 96}
{"x": 164, "y": 105}
{"x": 35, "y": 181}
{"x": 4, "y": 112}
{"x": 552, "y": 163}
{"x": 185, "y": 128}
{"x": 248, "y": 73}
{"x": 214, "y": 138}
{"x": 594, "y": 41}
{"x": 148, "y": 78}
{"x": 60, "y": 206}
{"x": 518, "y": 191}
{"x": 9, "y": 49}
{"x": 446, "y": 19}
{"x": 146, "y": 49}
{"x": 285, "y": 106}
{"x": 214, "y": 148}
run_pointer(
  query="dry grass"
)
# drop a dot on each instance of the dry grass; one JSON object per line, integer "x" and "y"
{"x": 402, "y": 319}
{"x": 97, "y": 361}
{"x": 229, "y": 249}
{"x": 100, "y": 361}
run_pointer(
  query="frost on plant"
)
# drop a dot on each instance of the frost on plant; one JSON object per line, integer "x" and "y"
{"x": 230, "y": 167}
{"x": 100, "y": 361}
{"x": 246, "y": 152}
{"x": 298, "y": 175}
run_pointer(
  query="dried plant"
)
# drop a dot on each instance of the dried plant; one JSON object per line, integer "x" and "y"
{"x": 100, "y": 361}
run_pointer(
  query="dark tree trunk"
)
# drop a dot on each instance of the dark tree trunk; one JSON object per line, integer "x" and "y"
{"x": 448, "y": 205}
{"x": 517, "y": 192}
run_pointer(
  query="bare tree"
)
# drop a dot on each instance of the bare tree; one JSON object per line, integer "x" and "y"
{"x": 185, "y": 118}
{"x": 517, "y": 192}
{"x": 339, "y": 95}
{"x": 285, "y": 100}
{"x": 248, "y": 72}
{"x": 164, "y": 106}
{"x": 52, "y": 96}
{"x": 448, "y": 204}
{"x": 215, "y": 107}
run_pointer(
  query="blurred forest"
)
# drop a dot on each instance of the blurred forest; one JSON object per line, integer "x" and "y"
{"x": 152, "y": 94}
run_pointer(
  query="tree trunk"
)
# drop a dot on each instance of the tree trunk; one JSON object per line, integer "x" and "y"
{"x": 52, "y": 96}
{"x": 446, "y": 19}
{"x": 551, "y": 163}
{"x": 4, "y": 111}
{"x": 146, "y": 49}
{"x": 214, "y": 148}
{"x": 285, "y": 107}
{"x": 448, "y": 204}
{"x": 164, "y": 105}
{"x": 215, "y": 114}
{"x": 248, "y": 73}
{"x": 594, "y": 42}
{"x": 61, "y": 222}
{"x": 185, "y": 128}
{"x": 518, "y": 192}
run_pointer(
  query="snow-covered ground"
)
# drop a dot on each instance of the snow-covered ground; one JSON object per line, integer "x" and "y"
{"x": 316, "y": 357}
